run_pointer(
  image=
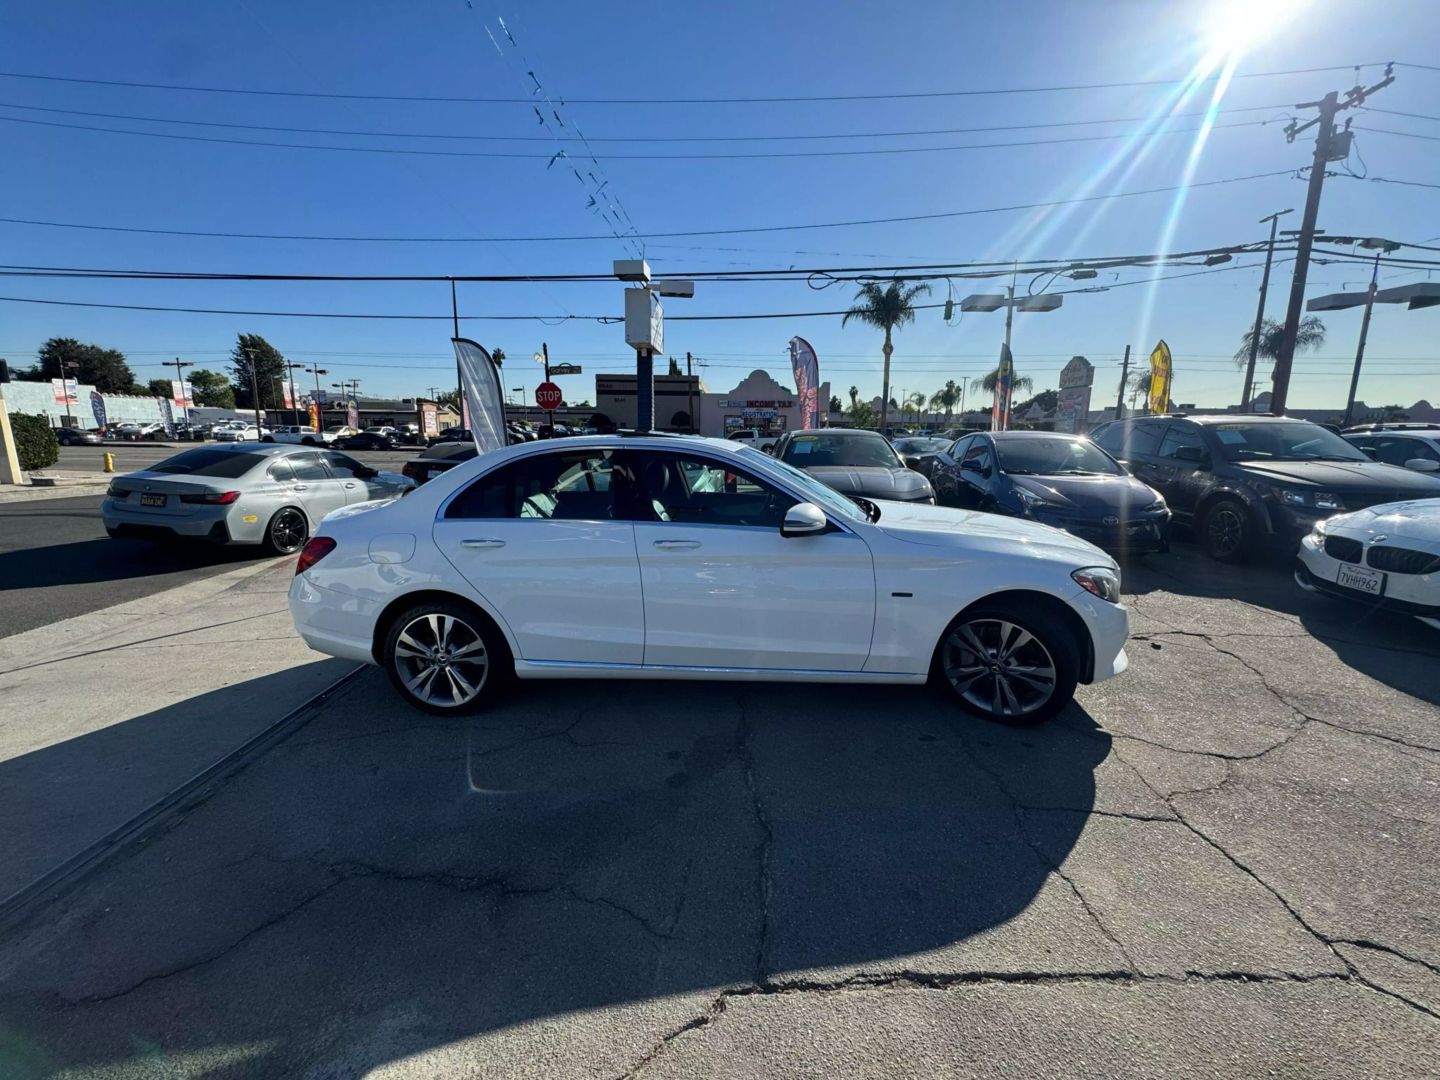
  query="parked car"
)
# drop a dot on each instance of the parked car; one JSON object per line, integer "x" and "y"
{"x": 1385, "y": 556}
{"x": 247, "y": 493}
{"x": 453, "y": 435}
{"x": 528, "y": 561}
{"x": 239, "y": 431}
{"x": 436, "y": 459}
{"x": 1416, "y": 448}
{"x": 300, "y": 435}
{"x": 1061, "y": 480}
{"x": 1250, "y": 482}
{"x": 341, "y": 431}
{"x": 408, "y": 435}
{"x": 371, "y": 439}
{"x": 753, "y": 437}
{"x": 854, "y": 463}
{"x": 69, "y": 436}
{"x": 139, "y": 432}
{"x": 918, "y": 452}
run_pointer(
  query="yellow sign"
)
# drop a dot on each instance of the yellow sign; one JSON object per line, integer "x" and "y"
{"x": 1160, "y": 372}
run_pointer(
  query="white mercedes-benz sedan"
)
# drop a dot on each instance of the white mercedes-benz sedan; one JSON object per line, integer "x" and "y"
{"x": 670, "y": 557}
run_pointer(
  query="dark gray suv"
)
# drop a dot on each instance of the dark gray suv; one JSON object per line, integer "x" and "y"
{"x": 1247, "y": 482}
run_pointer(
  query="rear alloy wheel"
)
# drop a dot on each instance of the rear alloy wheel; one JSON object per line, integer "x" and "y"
{"x": 444, "y": 659}
{"x": 1225, "y": 531}
{"x": 287, "y": 532}
{"x": 1015, "y": 667}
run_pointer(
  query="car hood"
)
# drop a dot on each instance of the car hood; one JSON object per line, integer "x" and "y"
{"x": 872, "y": 482}
{"x": 943, "y": 526}
{"x": 1418, "y": 519}
{"x": 1107, "y": 494}
{"x": 1342, "y": 476}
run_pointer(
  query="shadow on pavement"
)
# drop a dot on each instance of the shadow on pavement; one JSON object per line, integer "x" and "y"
{"x": 384, "y": 884}
{"x": 104, "y": 559}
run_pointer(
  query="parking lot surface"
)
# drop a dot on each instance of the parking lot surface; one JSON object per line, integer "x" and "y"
{"x": 1222, "y": 863}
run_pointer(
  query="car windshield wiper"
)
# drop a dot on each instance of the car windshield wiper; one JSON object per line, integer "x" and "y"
{"x": 1019, "y": 472}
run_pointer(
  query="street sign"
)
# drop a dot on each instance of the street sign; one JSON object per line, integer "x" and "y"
{"x": 548, "y": 396}
{"x": 564, "y": 369}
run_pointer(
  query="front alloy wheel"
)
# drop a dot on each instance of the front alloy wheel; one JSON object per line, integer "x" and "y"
{"x": 439, "y": 660}
{"x": 1225, "y": 529}
{"x": 1004, "y": 667}
{"x": 287, "y": 532}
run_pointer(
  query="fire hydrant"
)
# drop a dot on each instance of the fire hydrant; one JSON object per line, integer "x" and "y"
{"x": 109, "y": 461}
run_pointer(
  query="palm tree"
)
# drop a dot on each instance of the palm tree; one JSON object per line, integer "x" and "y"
{"x": 915, "y": 403}
{"x": 987, "y": 382}
{"x": 1309, "y": 335}
{"x": 1139, "y": 387}
{"x": 947, "y": 397}
{"x": 885, "y": 308}
{"x": 854, "y": 395}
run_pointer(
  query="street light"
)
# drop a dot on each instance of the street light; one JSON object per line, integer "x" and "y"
{"x": 1340, "y": 301}
{"x": 645, "y": 328}
{"x": 994, "y": 301}
{"x": 1274, "y": 220}
{"x": 521, "y": 391}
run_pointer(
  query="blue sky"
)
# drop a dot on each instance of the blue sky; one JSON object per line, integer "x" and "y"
{"x": 589, "y": 50}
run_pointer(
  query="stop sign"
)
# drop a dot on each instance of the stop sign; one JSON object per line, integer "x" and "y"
{"x": 548, "y": 396}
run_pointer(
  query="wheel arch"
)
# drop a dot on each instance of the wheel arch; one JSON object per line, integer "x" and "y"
{"x": 1258, "y": 512}
{"x": 405, "y": 601}
{"x": 1049, "y": 602}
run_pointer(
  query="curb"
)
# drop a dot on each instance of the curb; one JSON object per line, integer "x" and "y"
{"x": 35, "y": 493}
{"x": 19, "y": 904}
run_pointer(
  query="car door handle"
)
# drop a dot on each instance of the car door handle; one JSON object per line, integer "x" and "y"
{"x": 482, "y": 542}
{"x": 677, "y": 544}
{"x": 350, "y": 483}
{"x": 301, "y": 487}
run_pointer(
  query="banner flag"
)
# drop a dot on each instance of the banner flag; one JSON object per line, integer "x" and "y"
{"x": 167, "y": 416}
{"x": 314, "y": 414}
{"x": 483, "y": 396}
{"x": 1160, "y": 373}
{"x": 182, "y": 394}
{"x": 97, "y": 408}
{"x": 65, "y": 391}
{"x": 286, "y": 395}
{"x": 806, "y": 367}
{"x": 1004, "y": 384}
{"x": 352, "y": 413}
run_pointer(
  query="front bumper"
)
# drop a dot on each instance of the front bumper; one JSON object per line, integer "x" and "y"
{"x": 1412, "y": 594}
{"x": 1109, "y": 627}
{"x": 1148, "y": 533}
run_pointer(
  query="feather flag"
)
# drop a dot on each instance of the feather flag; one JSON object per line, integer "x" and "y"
{"x": 484, "y": 397}
{"x": 1004, "y": 384}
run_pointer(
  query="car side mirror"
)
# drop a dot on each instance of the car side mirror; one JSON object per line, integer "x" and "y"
{"x": 804, "y": 519}
{"x": 971, "y": 465}
{"x": 1420, "y": 464}
{"x": 368, "y": 473}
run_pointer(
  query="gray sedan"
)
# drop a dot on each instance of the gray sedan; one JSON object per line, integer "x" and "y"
{"x": 860, "y": 464}
{"x": 243, "y": 493}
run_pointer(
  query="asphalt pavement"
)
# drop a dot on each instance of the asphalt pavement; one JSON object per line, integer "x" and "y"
{"x": 1222, "y": 863}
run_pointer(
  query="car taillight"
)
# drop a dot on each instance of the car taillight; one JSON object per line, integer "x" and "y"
{"x": 315, "y": 549}
{"x": 115, "y": 491}
{"x": 212, "y": 498}
{"x": 415, "y": 471}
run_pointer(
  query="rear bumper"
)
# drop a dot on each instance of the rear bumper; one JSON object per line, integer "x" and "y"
{"x": 208, "y": 524}
{"x": 337, "y": 624}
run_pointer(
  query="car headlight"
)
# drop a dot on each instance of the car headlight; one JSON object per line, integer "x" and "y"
{"x": 1320, "y": 500}
{"x": 1030, "y": 500}
{"x": 1317, "y": 531}
{"x": 1100, "y": 581}
{"x": 1155, "y": 507}
{"x": 1293, "y": 498}
{"x": 1324, "y": 500}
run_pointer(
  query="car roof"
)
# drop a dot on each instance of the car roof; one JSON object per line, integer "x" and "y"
{"x": 1018, "y": 435}
{"x": 840, "y": 433}
{"x": 1404, "y": 433}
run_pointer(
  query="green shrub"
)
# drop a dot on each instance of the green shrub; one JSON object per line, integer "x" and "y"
{"x": 34, "y": 441}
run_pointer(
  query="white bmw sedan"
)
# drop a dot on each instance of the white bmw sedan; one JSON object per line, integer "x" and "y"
{"x": 657, "y": 557}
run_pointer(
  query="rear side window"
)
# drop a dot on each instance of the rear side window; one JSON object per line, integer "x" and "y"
{"x": 1142, "y": 440}
{"x": 574, "y": 486}
{"x": 308, "y": 467}
{"x": 1176, "y": 436}
{"x": 280, "y": 470}
{"x": 210, "y": 461}
{"x": 961, "y": 446}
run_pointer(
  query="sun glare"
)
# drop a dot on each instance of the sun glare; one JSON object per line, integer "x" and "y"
{"x": 1231, "y": 27}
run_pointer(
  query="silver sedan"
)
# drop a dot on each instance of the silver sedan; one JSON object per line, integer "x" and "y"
{"x": 243, "y": 493}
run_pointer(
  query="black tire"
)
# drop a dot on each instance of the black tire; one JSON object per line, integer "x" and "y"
{"x": 472, "y": 669}
{"x": 1012, "y": 663}
{"x": 307, "y": 441}
{"x": 1226, "y": 530}
{"x": 267, "y": 438}
{"x": 287, "y": 531}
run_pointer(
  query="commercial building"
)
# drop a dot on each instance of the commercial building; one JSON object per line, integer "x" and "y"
{"x": 758, "y": 401}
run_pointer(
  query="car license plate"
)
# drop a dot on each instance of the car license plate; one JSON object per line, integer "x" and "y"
{"x": 1361, "y": 579}
{"x": 152, "y": 500}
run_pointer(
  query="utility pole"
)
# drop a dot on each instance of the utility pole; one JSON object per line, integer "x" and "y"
{"x": 690, "y": 392}
{"x": 1274, "y": 220}
{"x": 1124, "y": 378}
{"x": 459, "y": 375}
{"x": 1328, "y": 148}
{"x": 180, "y": 375}
{"x": 545, "y": 355}
{"x": 254, "y": 392}
{"x": 1364, "y": 332}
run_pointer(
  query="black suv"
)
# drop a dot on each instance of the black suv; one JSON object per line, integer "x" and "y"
{"x": 1244, "y": 482}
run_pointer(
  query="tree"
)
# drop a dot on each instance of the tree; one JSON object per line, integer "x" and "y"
{"x": 254, "y": 355}
{"x": 158, "y": 388}
{"x": 885, "y": 308}
{"x": 449, "y": 397}
{"x": 835, "y": 404}
{"x": 105, "y": 369}
{"x": 1310, "y": 335}
{"x": 1048, "y": 400}
{"x": 211, "y": 389}
{"x": 915, "y": 403}
{"x": 854, "y": 396}
{"x": 863, "y": 415}
{"x": 35, "y": 441}
{"x": 1391, "y": 414}
{"x": 986, "y": 383}
{"x": 947, "y": 397}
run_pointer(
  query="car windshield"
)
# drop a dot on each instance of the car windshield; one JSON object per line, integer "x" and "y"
{"x": 1054, "y": 456}
{"x": 824, "y": 497}
{"x": 210, "y": 462}
{"x": 921, "y": 446}
{"x": 1290, "y": 440}
{"x": 856, "y": 451}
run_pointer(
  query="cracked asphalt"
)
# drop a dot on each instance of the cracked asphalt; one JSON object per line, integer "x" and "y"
{"x": 1223, "y": 863}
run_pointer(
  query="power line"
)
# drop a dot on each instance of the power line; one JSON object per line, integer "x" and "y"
{"x": 493, "y": 154}
{"x": 988, "y": 92}
{"x": 653, "y": 235}
{"x": 637, "y": 138}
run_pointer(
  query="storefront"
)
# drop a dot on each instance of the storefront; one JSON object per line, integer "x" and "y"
{"x": 758, "y": 402}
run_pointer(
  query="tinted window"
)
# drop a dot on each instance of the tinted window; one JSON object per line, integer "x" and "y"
{"x": 1142, "y": 440}
{"x": 1396, "y": 451}
{"x": 960, "y": 448}
{"x": 1109, "y": 437}
{"x": 857, "y": 451}
{"x": 308, "y": 467}
{"x": 1285, "y": 440}
{"x": 210, "y": 461}
{"x": 574, "y": 486}
{"x": 347, "y": 468}
{"x": 1178, "y": 435}
{"x": 920, "y": 446}
{"x": 1053, "y": 456}
{"x": 280, "y": 470}
{"x": 701, "y": 491}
